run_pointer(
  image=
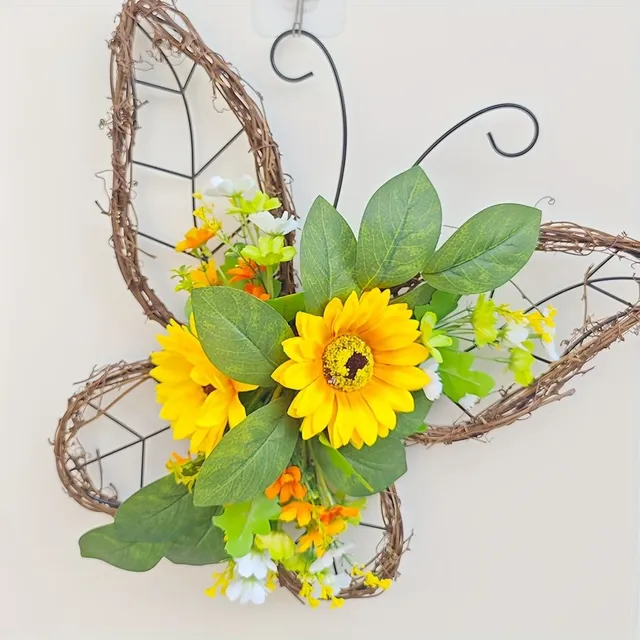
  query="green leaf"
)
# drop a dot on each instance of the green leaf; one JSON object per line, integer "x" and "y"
{"x": 459, "y": 380}
{"x": 421, "y": 295}
{"x": 240, "y": 334}
{"x": 163, "y": 511}
{"x": 288, "y": 306}
{"x": 486, "y": 251}
{"x": 399, "y": 231}
{"x": 188, "y": 308}
{"x": 327, "y": 257}
{"x": 249, "y": 458}
{"x": 409, "y": 423}
{"x": 379, "y": 465}
{"x": 241, "y": 521}
{"x": 341, "y": 463}
{"x": 202, "y": 545}
{"x": 103, "y": 544}
{"x": 442, "y": 304}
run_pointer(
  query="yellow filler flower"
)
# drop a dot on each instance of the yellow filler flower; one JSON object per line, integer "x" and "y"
{"x": 354, "y": 368}
{"x": 196, "y": 398}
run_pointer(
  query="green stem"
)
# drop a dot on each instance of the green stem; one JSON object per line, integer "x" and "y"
{"x": 325, "y": 494}
{"x": 269, "y": 280}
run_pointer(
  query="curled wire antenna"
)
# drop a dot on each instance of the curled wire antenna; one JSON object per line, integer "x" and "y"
{"x": 305, "y": 76}
{"x": 492, "y": 142}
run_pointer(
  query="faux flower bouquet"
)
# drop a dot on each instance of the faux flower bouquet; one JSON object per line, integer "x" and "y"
{"x": 296, "y": 406}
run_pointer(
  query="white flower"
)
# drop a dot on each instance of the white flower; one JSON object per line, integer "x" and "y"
{"x": 334, "y": 581}
{"x": 516, "y": 333}
{"x": 272, "y": 225}
{"x": 247, "y": 590}
{"x": 468, "y": 401}
{"x": 552, "y": 350}
{"x": 337, "y": 581}
{"x": 228, "y": 188}
{"x": 255, "y": 564}
{"x": 433, "y": 390}
{"x": 326, "y": 561}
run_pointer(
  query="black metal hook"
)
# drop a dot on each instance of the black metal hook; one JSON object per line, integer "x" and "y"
{"x": 492, "y": 142}
{"x": 305, "y": 76}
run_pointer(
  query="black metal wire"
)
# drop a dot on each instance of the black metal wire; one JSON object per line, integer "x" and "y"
{"x": 492, "y": 142}
{"x": 194, "y": 173}
{"x": 306, "y": 76}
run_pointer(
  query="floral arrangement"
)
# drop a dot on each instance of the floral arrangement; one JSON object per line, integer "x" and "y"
{"x": 296, "y": 406}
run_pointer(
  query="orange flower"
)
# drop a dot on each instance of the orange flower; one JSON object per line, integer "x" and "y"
{"x": 287, "y": 485}
{"x": 195, "y": 238}
{"x": 313, "y": 538}
{"x": 256, "y": 291}
{"x": 333, "y": 520}
{"x": 244, "y": 270}
{"x": 300, "y": 511}
{"x": 204, "y": 277}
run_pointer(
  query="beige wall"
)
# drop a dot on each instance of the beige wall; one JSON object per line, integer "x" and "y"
{"x": 530, "y": 537}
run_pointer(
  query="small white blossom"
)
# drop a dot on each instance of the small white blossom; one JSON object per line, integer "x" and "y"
{"x": 552, "y": 349}
{"x": 274, "y": 226}
{"x": 255, "y": 564}
{"x": 516, "y": 333}
{"x": 433, "y": 390}
{"x": 326, "y": 561}
{"x": 337, "y": 581}
{"x": 468, "y": 401}
{"x": 247, "y": 590}
{"x": 228, "y": 188}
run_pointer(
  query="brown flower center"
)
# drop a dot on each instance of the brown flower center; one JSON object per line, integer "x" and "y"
{"x": 347, "y": 363}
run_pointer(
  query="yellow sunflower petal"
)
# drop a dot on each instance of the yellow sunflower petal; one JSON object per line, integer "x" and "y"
{"x": 236, "y": 410}
{"x": 215, "y": 410}
{"x": 410, "y": 378}
{"x": 302, "y": 350}
{"x": 315, "y": 423}
{"x": 366, "y": 424}
{"x": 205, "y": 440}
{"x": 410, "y": 356}
{"x": 399, "y": 399}
{"x": 243, "y": 386}
{"x": 310, "y": 398}
{"x": 312, "y": 328}
{"x": 381, "y": 407}
{"x": 331, "y": 312}
{"x": 185, "y": 424}
{"x": 349, "y": 314}
{"x": 356, "y": 440}
{"x": 297, "y": 375}
{"x": 397, "y": 341}
{"x": 372, "y": 305}
{"x": 343, "y": 420}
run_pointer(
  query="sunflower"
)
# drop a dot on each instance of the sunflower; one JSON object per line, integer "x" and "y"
{"x": 354, "y": 368}
{"x": 196, "y": 398}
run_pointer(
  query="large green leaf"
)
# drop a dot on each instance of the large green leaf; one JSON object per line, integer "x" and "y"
{"x": 399, "y": 230}
{"x": 327, "y": 257}
{"x": 458, "y": 379}
{"x": 421, "y": 295}
{"x": 163, "y": 511}
{"x": 249, "y": 458}
{"x": 240, "y": 334}
{"x": 288, "y": 306}
{"x": 442, "y": 303}
{"x": 241, "y": 521}
{"x": 202, "y": 545}
{"x": 486, "y": 251}
{"x": 409, "y": 423}
{"x": 103, "y": 544}
{"x": 379, "y": 465}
